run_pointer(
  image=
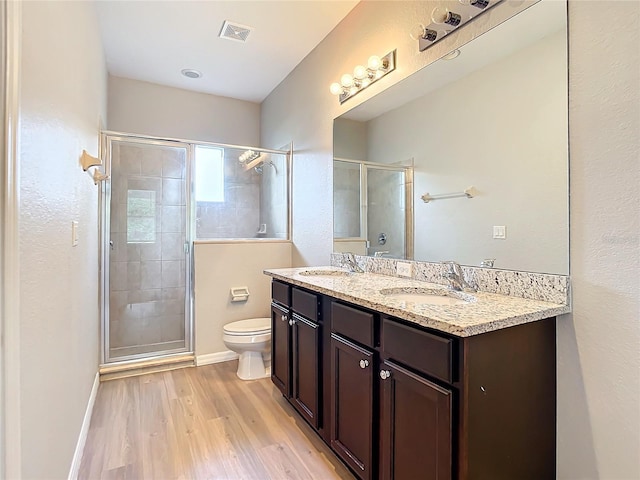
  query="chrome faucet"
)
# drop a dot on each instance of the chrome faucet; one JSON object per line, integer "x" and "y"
{"x": 456, "y": 278}
{"x": 380, "y": 253}
{"x": 349, "y": 260}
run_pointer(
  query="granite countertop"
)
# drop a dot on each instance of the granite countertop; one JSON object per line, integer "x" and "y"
{"x": 484, "y": 312}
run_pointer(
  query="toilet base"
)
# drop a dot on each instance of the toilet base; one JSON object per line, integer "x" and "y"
{"x": 251, "y": 366}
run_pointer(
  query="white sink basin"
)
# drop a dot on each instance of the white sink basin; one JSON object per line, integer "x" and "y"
{"x": 325, "y": 273}
{"x": 428, "y": 296}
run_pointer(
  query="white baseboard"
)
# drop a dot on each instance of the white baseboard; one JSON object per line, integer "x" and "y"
{"x": 84, "y": 430}
{"x": 215, "y": 357}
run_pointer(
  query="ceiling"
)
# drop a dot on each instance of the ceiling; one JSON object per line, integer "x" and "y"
{"x": 154, "y": 40}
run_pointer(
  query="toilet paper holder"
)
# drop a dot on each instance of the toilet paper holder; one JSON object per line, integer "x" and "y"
{"x": 239, "y": 294}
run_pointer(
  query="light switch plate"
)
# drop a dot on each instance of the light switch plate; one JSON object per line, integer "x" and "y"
{"x": 499, "y": 232}
{"x": 403, "y": 269}
{"x": 74, "y": 234}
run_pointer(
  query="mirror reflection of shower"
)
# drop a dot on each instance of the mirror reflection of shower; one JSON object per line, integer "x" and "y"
{"x": 373, "y": 208}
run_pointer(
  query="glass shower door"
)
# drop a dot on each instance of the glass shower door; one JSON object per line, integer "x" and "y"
{"x": 147, "y": 282}
{"x": 386, "y": 212}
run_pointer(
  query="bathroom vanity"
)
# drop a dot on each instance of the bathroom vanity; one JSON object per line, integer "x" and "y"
{"x": 404, "y": 389}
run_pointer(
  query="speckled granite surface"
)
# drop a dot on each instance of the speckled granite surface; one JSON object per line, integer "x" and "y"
{"x": 535, "y": 286}
{"x": 487, "y": 311}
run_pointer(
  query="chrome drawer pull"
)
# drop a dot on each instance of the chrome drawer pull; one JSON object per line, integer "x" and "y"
{"x": 364, "y": 363}
{"x": 384, "y": 374}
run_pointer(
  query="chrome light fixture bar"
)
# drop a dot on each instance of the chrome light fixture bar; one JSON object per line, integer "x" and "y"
{"x": 377, "y": 67}
{"x": 448, "y": 16}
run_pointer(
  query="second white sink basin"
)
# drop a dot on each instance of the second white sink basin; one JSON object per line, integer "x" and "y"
{"x": 428, "y": 296}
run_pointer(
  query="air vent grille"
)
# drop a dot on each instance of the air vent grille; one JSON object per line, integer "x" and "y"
{"x": 235, "y": 31}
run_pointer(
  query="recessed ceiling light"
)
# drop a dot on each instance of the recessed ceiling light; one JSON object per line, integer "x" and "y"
{"x": 451, "y": 55}
{"x": 190, "y": 73}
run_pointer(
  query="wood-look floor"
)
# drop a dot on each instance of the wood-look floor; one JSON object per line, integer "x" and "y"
{"x": 201, "y": 423}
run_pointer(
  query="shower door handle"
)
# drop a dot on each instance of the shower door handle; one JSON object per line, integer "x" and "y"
{"x": 186, "y": 248}
{"x": 111, "y": 244}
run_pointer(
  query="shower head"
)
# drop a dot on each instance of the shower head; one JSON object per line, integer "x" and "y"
{"x": 260, "y": 168}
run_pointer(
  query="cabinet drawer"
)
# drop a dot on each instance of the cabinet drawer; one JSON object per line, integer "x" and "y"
{"x": 305, "y": 303}
{"x": 281, "y": 293}
{"x": 353, "y": 323}
{"x": 422, "y": 351}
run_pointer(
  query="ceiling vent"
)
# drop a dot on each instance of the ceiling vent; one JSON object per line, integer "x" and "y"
{"x": 235, "y": 31}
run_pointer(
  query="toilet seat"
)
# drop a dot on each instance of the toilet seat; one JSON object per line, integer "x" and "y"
{"x": 248, "y": 327}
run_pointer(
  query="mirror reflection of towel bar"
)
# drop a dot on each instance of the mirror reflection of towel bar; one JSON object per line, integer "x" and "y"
{"x": 468, "y": 193}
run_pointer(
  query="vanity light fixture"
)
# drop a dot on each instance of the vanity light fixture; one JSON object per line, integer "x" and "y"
{"x": 444, "y": 19}
{"x": 248, "y": 156}
{"x": 362, "y": 77}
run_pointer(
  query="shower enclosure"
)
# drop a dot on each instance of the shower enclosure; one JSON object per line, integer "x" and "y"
{"x": 160, "y": 197}
{"x": 373, "y": 208}
{"x": 146, "y": 263}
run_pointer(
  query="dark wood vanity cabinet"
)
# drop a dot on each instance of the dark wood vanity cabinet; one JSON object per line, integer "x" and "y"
{"x": 295, "y": 348}
{"x": 306, "y": 369}
{"x": 281, "y": 337}
{"x": 398, "y": 401}
{"x": 352, "y": 400}
{"x": 415, "y": 426}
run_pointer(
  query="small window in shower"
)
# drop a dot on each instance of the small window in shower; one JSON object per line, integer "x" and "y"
{"x": 209, "y": 174}
{"x": 141, "y": 216}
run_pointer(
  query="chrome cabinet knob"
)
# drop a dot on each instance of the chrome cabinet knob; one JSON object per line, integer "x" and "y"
{"x": 364, "y": 363}
{"x": 384, "y": 374}
{"x": 291, "y": 322}
{"x": 283, "y": 318}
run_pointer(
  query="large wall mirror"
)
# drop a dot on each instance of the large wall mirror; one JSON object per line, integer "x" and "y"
{"x": 494, "y": 118}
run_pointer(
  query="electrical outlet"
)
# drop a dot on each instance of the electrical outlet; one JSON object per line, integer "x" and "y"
{"x": 403, "y": 269}
{"x": 500, "y": 232}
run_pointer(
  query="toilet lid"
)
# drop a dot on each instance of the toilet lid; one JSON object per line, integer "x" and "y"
{"x": 251, "y": 326}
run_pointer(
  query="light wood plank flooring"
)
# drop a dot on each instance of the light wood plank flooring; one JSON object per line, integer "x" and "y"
{"x": 201, "y": 423}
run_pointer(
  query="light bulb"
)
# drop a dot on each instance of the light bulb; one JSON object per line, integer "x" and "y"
{"x": 335, "y": 88}
{"x": 417, "y": 32}
{"x": 374, "y": 62}
{"x": 346, "y": 80}
{"x": 360, "y": 72}
{"x": 440, "y": 15}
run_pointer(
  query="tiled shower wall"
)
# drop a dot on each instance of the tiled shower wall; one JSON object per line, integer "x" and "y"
{"x": 239, "y": 215}
{"x": 147, "y": 261}
{"x": 346, "y": 200}
{"x": 386, "y": 213}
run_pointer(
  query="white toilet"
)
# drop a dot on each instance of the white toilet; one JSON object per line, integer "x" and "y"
{"x": 251, "y": 339}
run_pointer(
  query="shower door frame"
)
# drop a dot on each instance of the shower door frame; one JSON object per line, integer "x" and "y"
{"x": 104, "y": 206}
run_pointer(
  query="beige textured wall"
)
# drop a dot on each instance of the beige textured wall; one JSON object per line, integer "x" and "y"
{"x": 156, "y": 110}
{"x": 218, "y": 268}
{"x": 63, "y": 98}
{"x": 598, "y": 352}
{"x": 599, "y": 344}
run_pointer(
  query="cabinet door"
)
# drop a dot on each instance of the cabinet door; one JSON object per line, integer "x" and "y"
{"x": 306, "y": 372}
{"x": 415, "y": 426}
{"x": 352, "y": 405}
{"x": 280, "y": 349}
